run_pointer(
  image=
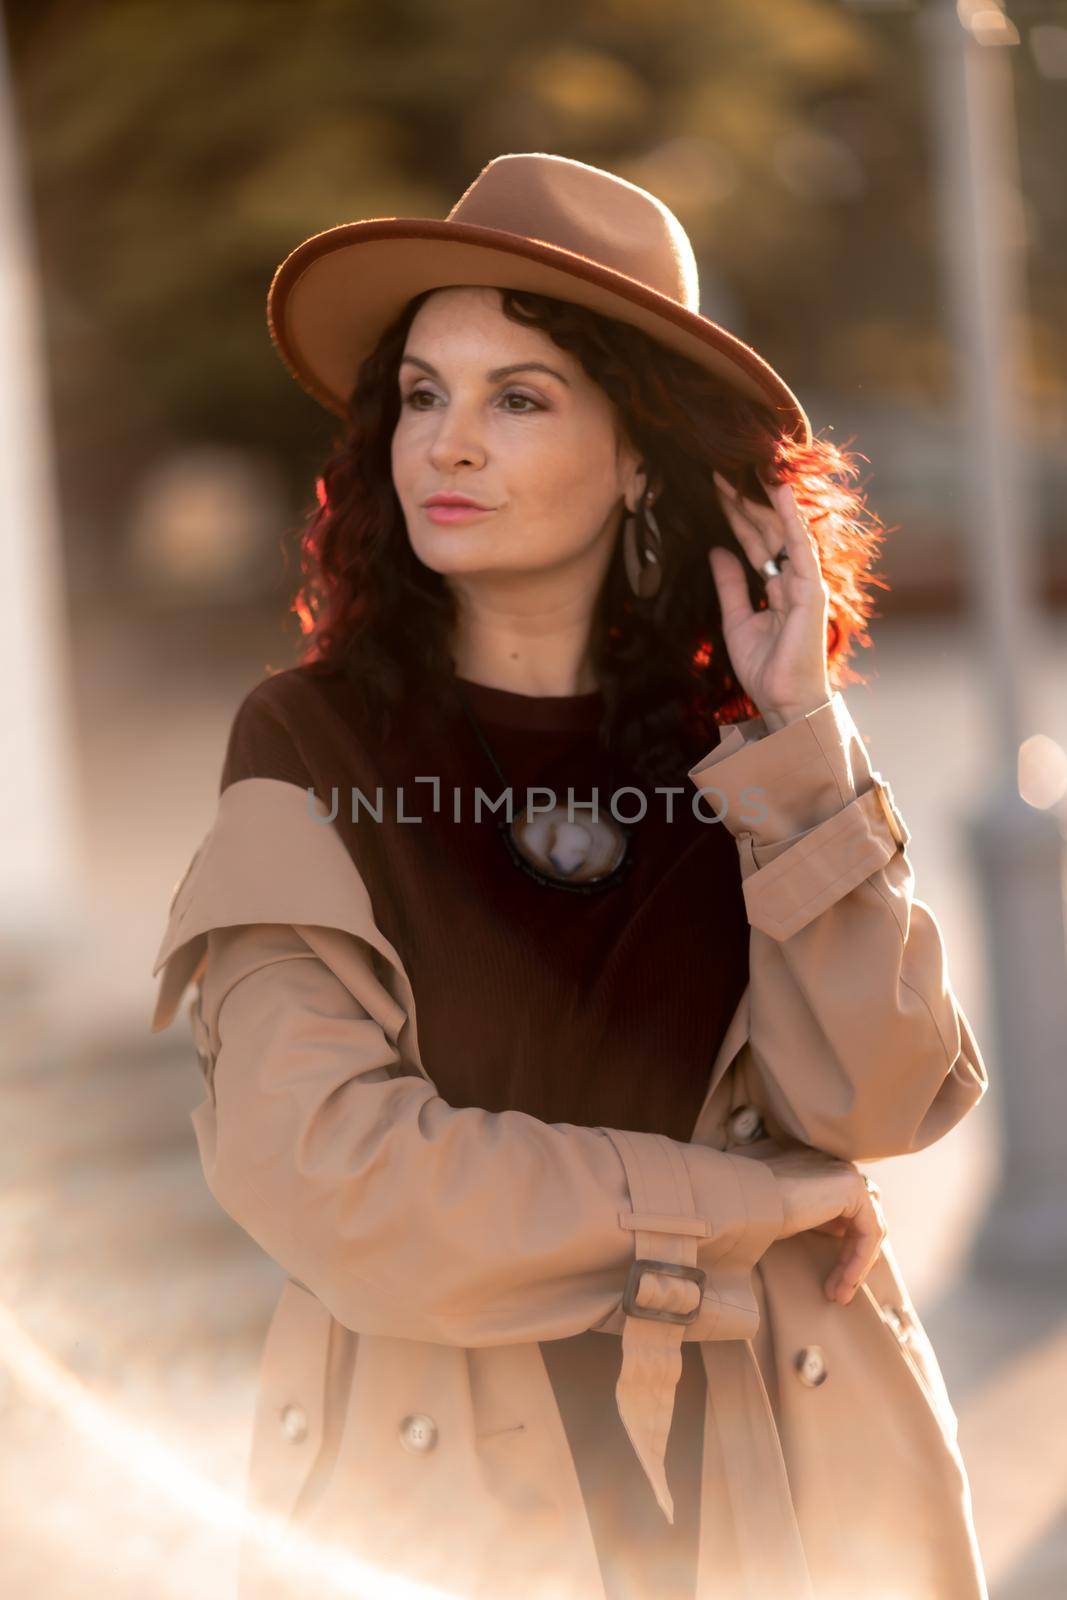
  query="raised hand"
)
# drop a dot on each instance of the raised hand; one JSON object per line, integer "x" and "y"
{"x": 778, "y": 654}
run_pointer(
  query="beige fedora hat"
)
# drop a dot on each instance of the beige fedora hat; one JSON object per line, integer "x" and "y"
{"x": 528, "y": 221}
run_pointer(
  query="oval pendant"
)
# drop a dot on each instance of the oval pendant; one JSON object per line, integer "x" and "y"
{"x": 583, "y": 856}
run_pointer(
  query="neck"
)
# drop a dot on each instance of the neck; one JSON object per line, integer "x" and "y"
{"x": 550, "y": 664}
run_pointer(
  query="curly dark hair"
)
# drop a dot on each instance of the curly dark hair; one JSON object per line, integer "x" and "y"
{"x": 372, "y": 610}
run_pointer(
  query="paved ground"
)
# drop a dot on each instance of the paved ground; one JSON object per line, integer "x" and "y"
{"x": 133, "y": 1310}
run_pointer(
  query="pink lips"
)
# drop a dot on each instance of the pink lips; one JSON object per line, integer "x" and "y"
{"x": 457, "y": 511}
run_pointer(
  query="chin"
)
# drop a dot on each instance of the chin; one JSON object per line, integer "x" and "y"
{"x": 463, "y": 551}
{"x": 451, "y": 550}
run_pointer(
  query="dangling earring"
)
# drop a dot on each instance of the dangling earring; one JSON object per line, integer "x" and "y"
{"x": 642, "y": 548}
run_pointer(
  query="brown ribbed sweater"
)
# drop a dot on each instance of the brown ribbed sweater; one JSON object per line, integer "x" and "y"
{"x": 602, "y": 1010}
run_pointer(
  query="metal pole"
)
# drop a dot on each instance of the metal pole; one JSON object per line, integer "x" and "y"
{"x": 1018, "y": 850}
{"x": 42, "y": 891}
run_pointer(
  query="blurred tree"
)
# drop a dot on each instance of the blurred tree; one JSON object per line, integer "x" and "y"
{"x": 175, "y": 157}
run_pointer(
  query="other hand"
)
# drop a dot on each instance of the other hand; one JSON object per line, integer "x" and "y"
{"x": 827, "y": 1195}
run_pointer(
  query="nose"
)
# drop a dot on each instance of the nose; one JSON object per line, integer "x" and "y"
{"x": 456, "y": 440}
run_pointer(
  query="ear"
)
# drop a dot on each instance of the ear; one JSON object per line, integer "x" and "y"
{"x": 635, "y": 478}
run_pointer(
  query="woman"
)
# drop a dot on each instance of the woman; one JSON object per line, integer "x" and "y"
{"x": 585, "y": 1291}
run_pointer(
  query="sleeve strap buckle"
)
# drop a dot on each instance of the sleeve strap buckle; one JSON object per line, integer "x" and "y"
{"x": 674, "y": 1269}
{"x": 894, "y": 820}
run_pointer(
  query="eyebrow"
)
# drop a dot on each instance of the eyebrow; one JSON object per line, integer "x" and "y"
{"x": 497, "y": 372}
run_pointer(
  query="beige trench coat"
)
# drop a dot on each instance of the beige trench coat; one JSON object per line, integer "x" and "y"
{"x": 405, "y": 1419}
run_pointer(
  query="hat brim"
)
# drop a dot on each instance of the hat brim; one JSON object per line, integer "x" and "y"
{"x": 333, "y": 296}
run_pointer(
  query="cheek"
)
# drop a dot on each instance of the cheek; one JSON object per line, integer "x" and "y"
{"x": 571, "y": 470}
{"x": 413, "y": 438}
{"x": 401, "y": 458}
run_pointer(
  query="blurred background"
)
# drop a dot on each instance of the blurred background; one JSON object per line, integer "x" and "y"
{"x": 876, "y": 196}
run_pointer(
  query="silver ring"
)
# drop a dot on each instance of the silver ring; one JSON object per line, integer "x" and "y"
{"x": 771, "y": 568}
{"x": 869, "y": 1184}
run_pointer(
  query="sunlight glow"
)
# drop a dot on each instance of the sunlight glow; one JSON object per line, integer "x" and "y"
{"x": 327, "y": 1568}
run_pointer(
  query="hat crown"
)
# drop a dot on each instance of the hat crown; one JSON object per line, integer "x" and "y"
{"x": 583, "y": 209}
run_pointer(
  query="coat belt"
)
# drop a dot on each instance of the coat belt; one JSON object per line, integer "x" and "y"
{"x": 667, "y": 1229}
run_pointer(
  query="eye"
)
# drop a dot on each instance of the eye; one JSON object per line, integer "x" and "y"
{"x": 417, "y": 394}
{"x": 413, "y": 396}
{"x": 513, "y": 394}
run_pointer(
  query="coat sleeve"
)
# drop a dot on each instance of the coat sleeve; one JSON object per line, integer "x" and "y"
{"x": 860, "y": 1045}
{"x": 415, "y": 1219}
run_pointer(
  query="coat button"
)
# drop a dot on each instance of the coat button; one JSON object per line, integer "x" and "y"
{"x": 294, "y": 1424}
{"x": 811, "y": 1366}
{"x": 418, "y": 1432}
{"x": 745, "y": 1124}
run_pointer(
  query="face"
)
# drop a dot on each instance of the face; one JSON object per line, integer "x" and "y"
{"x": 541, "y": 450}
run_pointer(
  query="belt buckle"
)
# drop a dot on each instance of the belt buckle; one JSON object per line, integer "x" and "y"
{"x": 896, "y": 824}
{"x": 674, "y": 1269}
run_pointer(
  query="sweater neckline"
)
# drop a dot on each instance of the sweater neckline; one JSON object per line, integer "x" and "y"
{"x": 548, "y": 713}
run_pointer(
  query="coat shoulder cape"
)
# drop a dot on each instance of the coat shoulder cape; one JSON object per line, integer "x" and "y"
{"x": 272, "y": 853}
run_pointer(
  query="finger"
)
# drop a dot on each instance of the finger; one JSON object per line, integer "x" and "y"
{"x": 799, "y": 541}
{"x": 757, "y": 540}
{"x": 761, "y": 523}
{"x": 858, "y": 1256}
{"x": 837, "y": 1226}
{"x": 743, "y": 516}
{"x": 729, "y": 576}
{"x": 782, "y": 524}
{"x": 853, "y": 1263}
